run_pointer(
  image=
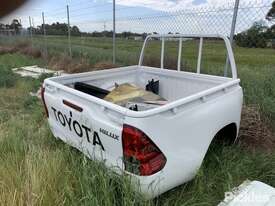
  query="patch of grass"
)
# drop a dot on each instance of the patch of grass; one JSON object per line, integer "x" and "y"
{"x": 259, "y": 87}
{"x": 9, "y": 61}
{"x": 7, "y": 78}
{"x": 23, "y": 47}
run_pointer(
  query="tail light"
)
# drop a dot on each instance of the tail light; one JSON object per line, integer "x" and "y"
{"x": 43, "y": 100}
{"x": 141, "y": 156}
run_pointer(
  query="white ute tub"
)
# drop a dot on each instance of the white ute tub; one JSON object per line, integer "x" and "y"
{"x": 159, "y": 148}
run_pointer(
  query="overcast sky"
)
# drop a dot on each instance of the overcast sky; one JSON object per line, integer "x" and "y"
{"x": 145, "y": 15}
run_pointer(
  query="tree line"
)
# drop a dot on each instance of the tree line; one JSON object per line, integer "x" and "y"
{"x": 14, "y": 27}
{"x": 55, "y": 29}
{"x": 62, "y": 29}
{"x": 259, "y": 35}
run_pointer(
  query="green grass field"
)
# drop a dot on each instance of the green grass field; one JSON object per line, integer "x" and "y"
{"x": 36, "y": 169}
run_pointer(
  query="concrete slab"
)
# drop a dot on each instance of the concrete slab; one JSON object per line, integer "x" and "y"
{"x": 36, "y": 72}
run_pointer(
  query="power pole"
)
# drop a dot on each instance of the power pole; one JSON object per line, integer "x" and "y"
{"x": 30, "y": 29}
{"x": 69, "y": 31}
{"x": 232, "y": 33}
{"x": 104, "y": 29}
{"x": 44, "y": 33}
{"x": 114, "y": 31}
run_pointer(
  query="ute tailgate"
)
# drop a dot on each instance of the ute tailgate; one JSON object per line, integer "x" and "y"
{"x": 84, "y": 124}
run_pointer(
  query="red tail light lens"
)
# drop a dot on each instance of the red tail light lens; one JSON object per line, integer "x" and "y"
{"x": 141, "y": 156}
{"x": 43, "y": 100}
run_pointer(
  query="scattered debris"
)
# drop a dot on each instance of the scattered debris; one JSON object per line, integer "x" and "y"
{"x": 250, "y": 193}
{"x": 35, "y": 71}
{"x": 36, "y": 94}
{"x": 156, "y": 102}
{"x": 125, "y": 93}
{"x": 134, "y": 106}
{"x": 255, "y": 132}
{"x": 153, "y": 86}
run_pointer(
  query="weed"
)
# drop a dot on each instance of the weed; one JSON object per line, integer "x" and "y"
{"x": 255, "y": 133}
{"x": 7, "y": 78}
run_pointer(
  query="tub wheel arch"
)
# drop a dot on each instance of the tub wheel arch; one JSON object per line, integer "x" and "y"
{"x": 224, "y": 137}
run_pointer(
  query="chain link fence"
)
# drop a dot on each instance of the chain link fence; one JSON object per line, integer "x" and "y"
{"x": 84, "y": 33}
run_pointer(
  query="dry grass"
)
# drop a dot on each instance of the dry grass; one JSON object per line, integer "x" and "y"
{"x": 7, "y": 50}
{"x": 104, "y": 65}
{"x": 33, "y": 52}
{"x": 255, "y": 133}
{"x": 60, "y": 62}
{"x": 68, "y": 64}
{"x": 23, "y": 48}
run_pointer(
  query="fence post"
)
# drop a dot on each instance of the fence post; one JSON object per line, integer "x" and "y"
{"x": 180, "y": 54}
{"x": 44, "y": 33}
{"x": 114, "y": 31}
{"x": 232, "y": 33}
{"x": 200, "y": 56}
{"x": 30, "y": 30}
{"x": 69, "y": 31}
{"x": 162, "y": 53}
